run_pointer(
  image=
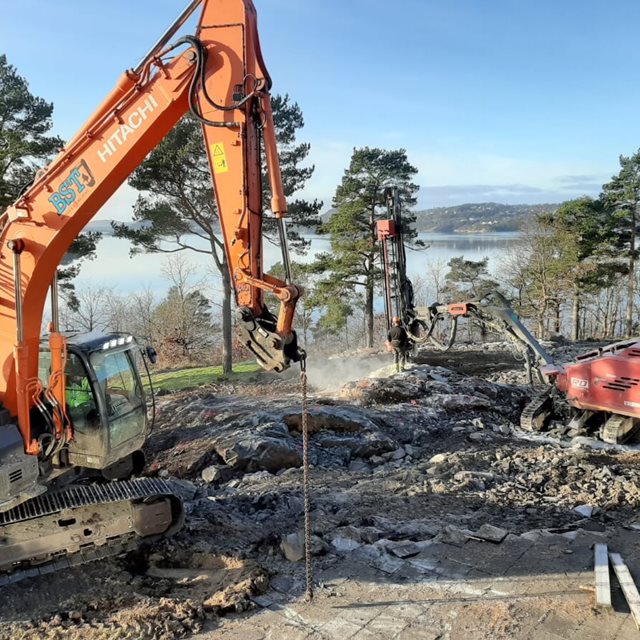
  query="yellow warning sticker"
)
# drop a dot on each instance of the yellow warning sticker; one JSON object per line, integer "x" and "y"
{"x": 219, "y": 158}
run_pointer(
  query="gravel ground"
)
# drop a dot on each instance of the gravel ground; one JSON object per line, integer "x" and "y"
{"x": 433, "y": 516}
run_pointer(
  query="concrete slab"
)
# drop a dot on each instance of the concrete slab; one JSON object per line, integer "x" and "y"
{"x": 547, "y": 602}
{"x": 604, "y": 625}
{"x": 339, "y": 628}
{"x": 360, "y": 614}
{"x": 627, "y": 630}
{"x": 387, "y": 625}
{"x": 418, "y": 632}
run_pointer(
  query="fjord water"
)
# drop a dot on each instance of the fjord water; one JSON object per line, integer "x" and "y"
{"x": 114, "y": 268}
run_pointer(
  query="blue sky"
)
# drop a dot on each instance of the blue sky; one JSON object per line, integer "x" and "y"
{"x": 504, "y": 100}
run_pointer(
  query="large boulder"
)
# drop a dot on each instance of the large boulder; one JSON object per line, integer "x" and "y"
{"x": 267, "y": 447}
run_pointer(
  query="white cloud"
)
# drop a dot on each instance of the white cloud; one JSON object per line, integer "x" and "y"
{"x": 479, "y": 168}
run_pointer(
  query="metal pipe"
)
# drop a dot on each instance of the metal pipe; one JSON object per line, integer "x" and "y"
{"x": 286, "y": 258}
{"x": 17, "y": 285}
{"x": 168, "y": 34}
{"x": 387, "y": 283}
{"x": 55, "y": 319}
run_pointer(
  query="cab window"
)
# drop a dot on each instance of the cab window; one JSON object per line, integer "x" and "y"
{"x": 81, "y": 405}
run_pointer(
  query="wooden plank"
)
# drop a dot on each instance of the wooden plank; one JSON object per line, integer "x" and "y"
{"x": 628, "y": 586}
{"x": 603, "y": 585}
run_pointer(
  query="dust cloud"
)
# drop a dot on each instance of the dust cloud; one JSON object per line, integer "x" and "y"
{"x": 331, "y": 374}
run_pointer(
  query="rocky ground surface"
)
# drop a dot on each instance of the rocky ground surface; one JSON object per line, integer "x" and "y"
{"x": 434, "y": 516}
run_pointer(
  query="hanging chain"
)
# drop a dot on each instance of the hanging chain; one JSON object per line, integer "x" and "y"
{"x": 306, "y": 481}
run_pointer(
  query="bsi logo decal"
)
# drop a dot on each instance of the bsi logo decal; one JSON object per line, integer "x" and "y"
{"x": 579, "y": 383}
{"x": 79, "y": 179}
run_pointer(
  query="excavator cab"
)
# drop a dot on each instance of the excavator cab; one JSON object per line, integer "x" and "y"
{"x": 105, "y": 399}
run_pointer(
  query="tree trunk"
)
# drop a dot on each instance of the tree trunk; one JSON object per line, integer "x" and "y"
{"x": 631, "y": 281}
{"x": 575, "y": 315}
{"x": 227, "y": 336}
{"x": 305, "y": 327}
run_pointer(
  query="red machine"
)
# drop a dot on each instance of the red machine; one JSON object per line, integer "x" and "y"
{"x": 599, "y": 392}
{"x": 398, "y": 290}
{"x": 602, "y": 388}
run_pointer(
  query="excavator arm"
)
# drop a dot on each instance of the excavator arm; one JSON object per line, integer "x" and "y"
{"x": 219, "y": 77}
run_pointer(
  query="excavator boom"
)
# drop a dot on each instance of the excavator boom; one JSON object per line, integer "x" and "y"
{"x": 49, "y": 428}
{"x": 220, "y": 78}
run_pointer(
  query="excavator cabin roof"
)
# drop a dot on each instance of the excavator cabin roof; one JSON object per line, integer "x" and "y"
{"x": 92, "y": 341}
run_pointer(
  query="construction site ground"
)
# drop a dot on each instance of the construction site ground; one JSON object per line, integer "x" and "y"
{"x": 434, "y": 516}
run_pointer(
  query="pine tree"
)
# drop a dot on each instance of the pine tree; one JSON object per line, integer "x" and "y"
{"x": 359, "y": 202}
{"x": 25, "y": 121}
{"x": 25, "y": 146}
{"x": 468, "y": 279}
{"x": 581, "y": 232}
{"x": 621, "y": 197}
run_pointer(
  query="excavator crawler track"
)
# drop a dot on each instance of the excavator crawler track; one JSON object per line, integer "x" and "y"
{"x": 83, "y": 523}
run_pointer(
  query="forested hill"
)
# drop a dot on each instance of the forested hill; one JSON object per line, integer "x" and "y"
{"x": 480, "y": 217}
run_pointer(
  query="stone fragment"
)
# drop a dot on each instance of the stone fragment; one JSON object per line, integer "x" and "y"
{"x": 359, "y": 466}
{"x": 318, "y": 546}
{"x": 416, "y": 530}
{"x": 370, "y": 534}
{"x": 594, "y": 527}
{"x": 504, "y": 429}
{"x": 584, "y": 510}
{"x": 283, "y": 584}
{"x": 453, "y": 535}
{"x": 344, "y": 545}
{"x": 491, "y": 534}
{"x": 292, "y": 546}
{"x": 262, "y": 601}
{"x": 269, "y": 447}
{"x": 351, "y": 532}
{"x": 404, "y": 550}
{"x": 185, "y": 489}
{"x": 398, "y": 454}
{"x": 258, "y": 476}
{"x": 387, "y": 564}
{"x": 460, "y": 476}
{"x": 216, "y": 473}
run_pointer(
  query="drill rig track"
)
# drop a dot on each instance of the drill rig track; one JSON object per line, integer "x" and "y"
{"x": 536, "y": 414}
{"x": 83, "y": 523}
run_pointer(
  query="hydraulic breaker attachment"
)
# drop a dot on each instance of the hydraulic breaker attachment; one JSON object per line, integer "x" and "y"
{"x": 272, "y": 351}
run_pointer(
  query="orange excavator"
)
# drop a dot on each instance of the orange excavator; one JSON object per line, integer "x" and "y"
{"x": 73, "y": 414}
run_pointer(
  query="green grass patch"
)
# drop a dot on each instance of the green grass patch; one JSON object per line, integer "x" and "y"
{"x": 196, "y": 376}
